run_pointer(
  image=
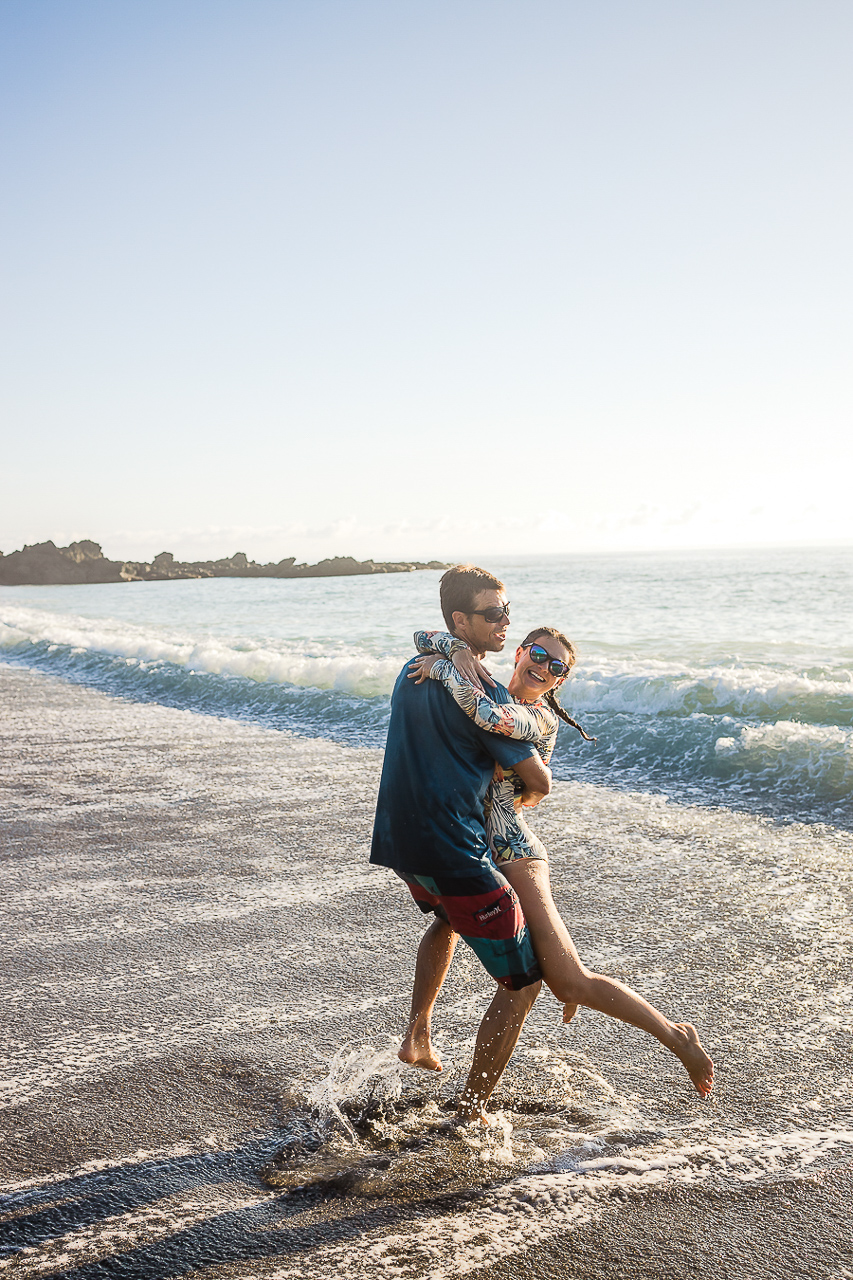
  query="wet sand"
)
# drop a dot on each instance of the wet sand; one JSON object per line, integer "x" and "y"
{"x": 191, "y": 930}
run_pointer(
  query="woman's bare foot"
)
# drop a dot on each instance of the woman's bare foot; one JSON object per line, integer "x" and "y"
{"x": 569, "y": 1011}
{"x": 417, "y": 1051}
{"x": 695, "y": 1060}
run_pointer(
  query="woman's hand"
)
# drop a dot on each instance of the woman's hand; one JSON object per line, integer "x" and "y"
{"x": 471, "y": 669}
{"x": 419, "y": 669}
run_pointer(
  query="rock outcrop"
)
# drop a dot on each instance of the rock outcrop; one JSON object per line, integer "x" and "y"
{"x": 46, "y": 564}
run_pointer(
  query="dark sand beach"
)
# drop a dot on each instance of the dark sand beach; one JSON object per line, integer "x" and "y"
{"x": 191, "y": 931}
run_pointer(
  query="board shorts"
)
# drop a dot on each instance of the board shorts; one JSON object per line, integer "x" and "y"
{"x": 484, "y": 910}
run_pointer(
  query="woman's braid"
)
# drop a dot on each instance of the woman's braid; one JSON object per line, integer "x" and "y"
{"x": 554, "y": 703}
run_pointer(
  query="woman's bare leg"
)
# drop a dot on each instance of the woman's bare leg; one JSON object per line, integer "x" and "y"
{"x": 573, "y": 984}
{"x": 434, "y": 956}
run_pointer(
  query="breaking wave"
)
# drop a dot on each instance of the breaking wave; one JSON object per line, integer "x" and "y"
{"x": 742, "y": 733}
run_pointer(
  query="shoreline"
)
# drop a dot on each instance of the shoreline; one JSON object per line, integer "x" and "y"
{"x": 191, "y": 930}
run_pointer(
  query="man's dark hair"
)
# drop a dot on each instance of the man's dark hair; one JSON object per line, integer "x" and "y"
{"x": 460, "y": 587}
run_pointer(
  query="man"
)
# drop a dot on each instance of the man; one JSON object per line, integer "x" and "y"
{"x": 430, "y": 830}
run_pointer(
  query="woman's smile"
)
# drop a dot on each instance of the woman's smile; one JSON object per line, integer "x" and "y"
{"x": 531, "y": 680}
{"x": 538, "y": 682}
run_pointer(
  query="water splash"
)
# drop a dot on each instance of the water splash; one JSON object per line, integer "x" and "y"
{"x": 359, "y": 1079}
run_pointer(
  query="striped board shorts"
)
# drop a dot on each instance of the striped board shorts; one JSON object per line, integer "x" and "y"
{"x": 485, "y": 911}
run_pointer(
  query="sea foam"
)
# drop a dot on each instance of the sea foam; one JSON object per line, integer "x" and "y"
{"x": 645, "y": 687}
{"x": 753, "y": 732}
{"x": 348, "y": 669}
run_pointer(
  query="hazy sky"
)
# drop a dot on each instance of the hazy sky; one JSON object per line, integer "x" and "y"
{"x": 309, "y": 277}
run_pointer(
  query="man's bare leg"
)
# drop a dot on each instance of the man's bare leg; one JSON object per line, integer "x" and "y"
{"x": 496, "y": 1039}
{"x": 434, "y": 956}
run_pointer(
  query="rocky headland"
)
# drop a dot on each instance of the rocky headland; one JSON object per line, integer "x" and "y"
{"x": 45, "y": 564}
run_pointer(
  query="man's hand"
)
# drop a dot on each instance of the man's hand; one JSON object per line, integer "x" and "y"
{"x": 472, "y": 669}
{"x": 536, "y": 778}
{"x": 420, "y": 668}
{"x": 527, "y": 800}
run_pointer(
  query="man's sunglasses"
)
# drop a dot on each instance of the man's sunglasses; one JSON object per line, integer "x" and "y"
{"x": 496, "y": 613}
{"x": 543, "y": 658}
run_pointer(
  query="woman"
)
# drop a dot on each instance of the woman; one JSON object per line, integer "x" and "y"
{"x": 542, "y": 663}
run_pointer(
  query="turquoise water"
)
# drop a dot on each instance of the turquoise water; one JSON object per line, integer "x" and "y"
{"x": 724, "y": 676}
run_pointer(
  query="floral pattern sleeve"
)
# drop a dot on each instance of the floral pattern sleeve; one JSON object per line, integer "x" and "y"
{"x": 438, "y": 642}
{"x": 526, "y": 722}
{"x": 532, "y": 722}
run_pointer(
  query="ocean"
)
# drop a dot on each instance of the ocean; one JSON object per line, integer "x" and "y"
{"x": 725, "y": 677}
{"x": 204, "y": 981}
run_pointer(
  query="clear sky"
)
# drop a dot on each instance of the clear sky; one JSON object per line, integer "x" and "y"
{"x": 315, "y": 277}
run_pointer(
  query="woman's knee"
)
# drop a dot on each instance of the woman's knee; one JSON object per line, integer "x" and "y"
{"x": 573, "y": 988}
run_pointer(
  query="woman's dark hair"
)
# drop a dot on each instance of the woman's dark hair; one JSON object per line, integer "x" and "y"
{"x": 551, "y": 696}
{"x": 461, "y": 585}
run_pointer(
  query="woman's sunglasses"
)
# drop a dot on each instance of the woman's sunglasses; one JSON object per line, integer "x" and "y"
{"x": 496, "y": 613}
{"x": 542, "y": 658}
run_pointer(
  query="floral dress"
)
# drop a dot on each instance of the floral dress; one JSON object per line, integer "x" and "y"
{"x": 507, "y": 832}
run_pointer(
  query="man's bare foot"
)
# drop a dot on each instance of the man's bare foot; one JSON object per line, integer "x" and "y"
{"x": 569, "y": 1011}
{"x": 695, "y": 1060}
{"x": 474, "y": 1114}
{"x": 417, "y": 1051}
{"x": 471, "y": 1109}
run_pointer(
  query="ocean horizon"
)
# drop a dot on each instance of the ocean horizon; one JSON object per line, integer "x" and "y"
{"x": 723, "y": 676}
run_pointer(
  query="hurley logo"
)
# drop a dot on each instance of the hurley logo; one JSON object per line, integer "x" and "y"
{"x": 489, "y": 913}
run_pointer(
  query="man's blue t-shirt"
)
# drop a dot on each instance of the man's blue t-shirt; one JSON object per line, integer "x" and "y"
{"x": 438, "y": 765}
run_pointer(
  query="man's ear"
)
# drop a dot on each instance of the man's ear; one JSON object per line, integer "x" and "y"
{"x": 459, "y": 619}
{"x": 519, "y": 651}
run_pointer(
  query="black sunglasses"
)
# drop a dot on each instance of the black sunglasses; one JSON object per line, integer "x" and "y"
{"x": 543, "y": 658}
{"x": 494, "y": 613}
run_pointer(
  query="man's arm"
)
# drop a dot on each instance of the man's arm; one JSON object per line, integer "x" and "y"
{"x": 536, "y": 777}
